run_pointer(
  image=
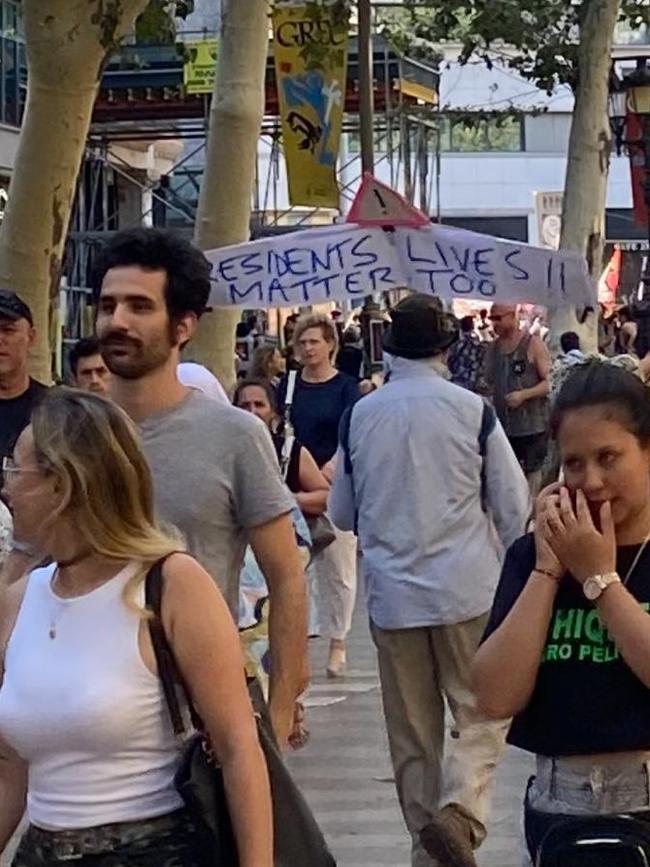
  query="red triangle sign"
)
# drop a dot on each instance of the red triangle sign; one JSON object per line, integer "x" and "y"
{"x": 377, "y": 204}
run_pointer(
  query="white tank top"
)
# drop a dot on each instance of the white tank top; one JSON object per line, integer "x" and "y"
{"x": 84, "y": 711}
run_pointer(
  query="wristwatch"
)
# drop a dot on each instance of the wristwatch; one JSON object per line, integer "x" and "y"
{"x": 596, "y": 584}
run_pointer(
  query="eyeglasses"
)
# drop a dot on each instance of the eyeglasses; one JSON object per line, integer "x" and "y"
{"x": 9, "y": 466}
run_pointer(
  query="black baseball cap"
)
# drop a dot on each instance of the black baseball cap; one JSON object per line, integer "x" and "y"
{"x": 12, "y": 307}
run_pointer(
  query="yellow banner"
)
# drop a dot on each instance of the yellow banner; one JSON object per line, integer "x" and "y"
{"x": 310, "y": 49}
{"x": 200, "y": 68}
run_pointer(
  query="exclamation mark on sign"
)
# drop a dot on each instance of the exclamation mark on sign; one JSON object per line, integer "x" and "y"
{"x": 382, "y": 203}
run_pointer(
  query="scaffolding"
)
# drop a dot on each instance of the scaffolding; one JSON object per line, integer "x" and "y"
{"x": 407, "y": 141}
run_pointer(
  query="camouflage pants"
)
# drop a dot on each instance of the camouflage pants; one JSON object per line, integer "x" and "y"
{"x": 169, "y": 841}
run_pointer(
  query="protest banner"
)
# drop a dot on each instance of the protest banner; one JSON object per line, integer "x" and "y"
{"x": 346, "y": 261}
{"x": 310, "y": 52}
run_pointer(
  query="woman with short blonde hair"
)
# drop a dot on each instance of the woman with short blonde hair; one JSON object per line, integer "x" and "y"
{"x": 86, "y": 743}
{"x": 320, "y": 397}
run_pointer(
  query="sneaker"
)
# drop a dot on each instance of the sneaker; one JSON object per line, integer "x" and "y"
{"x": 448, "y": 838}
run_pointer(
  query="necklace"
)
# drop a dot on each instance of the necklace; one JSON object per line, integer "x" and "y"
{"x": 55, "y": 614}
{"x": 635, "y": 562}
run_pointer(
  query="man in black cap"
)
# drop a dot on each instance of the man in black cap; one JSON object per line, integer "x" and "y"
{"x": 18, "y": 391}
{"x": 426, "y": 474}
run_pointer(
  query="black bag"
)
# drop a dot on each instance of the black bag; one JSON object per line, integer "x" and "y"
{"x": 298, "y": 841}
{"x": 560, "y": 840}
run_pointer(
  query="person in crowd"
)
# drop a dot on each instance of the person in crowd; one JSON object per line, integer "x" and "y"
{"x": 350, "y": 356}
{"x": 268, "y": 363}
{"x": 606, "y": 332}
{"x": 465, "y": 359}
{"x": 19, "y": 393}
{"x": 484, "y": 328}
{"x": 626, "y": 332}
{"x": 567, "y": 645}
{"x": 198, "y": 377}
{"x": 87, "y": 366}
{"x": 431, "y": 562}
{"x": 321, "y": 395}
{"x": 86, "y": 741}
{"x": 302, "y": 474}
{"x": 214, "y": 469}
{"x": 517, "y": 371}
{"x": 310, "y": 488}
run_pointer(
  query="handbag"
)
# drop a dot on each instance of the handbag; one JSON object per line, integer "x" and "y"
{"x": 298, "y": 841}
{"x": 321, "y": 531}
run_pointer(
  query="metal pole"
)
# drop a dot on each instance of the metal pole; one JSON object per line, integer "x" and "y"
{"x": 366, "y": 90}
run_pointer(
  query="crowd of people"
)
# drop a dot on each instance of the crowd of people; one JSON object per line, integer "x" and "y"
{"x": 260, "y": 508}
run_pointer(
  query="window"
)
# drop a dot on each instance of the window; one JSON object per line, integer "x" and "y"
{"x": 487, "y": 135}
{"x": 13, "y": 64}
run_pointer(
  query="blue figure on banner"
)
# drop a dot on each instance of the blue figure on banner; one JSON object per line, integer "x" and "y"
{"x": 310, "y": 89}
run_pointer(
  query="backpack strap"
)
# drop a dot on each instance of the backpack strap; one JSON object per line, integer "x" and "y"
{"x": 488, "y": 423}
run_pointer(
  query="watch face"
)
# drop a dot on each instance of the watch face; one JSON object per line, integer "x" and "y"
{"x": 592, "y": 588}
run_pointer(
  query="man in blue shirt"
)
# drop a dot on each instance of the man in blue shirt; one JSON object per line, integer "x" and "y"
{"x": 427, "y": 476}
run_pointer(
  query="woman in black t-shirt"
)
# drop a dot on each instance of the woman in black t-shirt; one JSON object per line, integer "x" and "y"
{"x": 567, "y": 647}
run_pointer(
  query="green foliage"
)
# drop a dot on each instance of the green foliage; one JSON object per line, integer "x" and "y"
{"x": 536, "y": 38}
{"x": 156, "y": 24}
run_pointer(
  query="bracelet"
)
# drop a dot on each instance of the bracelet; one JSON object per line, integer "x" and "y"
{"x": 552, "y": 575}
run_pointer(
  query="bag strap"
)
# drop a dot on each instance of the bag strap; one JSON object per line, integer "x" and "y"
{"x": 168, "y": 671}
{"x": 488, "y": 423}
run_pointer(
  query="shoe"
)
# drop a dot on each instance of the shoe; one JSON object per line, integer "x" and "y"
{"x": 336, "y": 664}
{"x": 448, "y": 838}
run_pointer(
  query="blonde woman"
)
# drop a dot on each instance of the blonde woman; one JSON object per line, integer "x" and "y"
{"x": 321, "y": 395}
{"x": 86, "y": 746}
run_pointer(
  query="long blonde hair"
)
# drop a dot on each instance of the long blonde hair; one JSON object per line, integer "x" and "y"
{"x": 93, "y": 448}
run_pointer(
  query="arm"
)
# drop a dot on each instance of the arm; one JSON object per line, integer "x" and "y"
{"x": 508, "y": 495}
{"x": 206, "y": 646}
{"x": 274, "y": 546}
{"x": 312, "y": 497}
{"x": 13, "y": 794}
{"x": 516, "y": 645}
{"x": 13, "y": 771}
{"x": 341, "y": 505}
{"x": 629, "y": 627}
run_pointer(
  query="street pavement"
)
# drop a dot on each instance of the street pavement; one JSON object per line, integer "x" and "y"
{"x": 346, "y": 776}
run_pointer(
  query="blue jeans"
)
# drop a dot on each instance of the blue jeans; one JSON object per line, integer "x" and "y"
{"x": 589, "y": 786}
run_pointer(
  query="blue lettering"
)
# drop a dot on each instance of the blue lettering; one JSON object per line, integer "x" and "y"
{"x": 326, "y": 282}
{"x": 317, "y": 262}
{"x": 236, "y": 295}
{"x": 487, "y": 288}
{"x": 352, "y": 280}
{"x": 563, "y": 277}
{"x": 549, "y": 274}
{"x": 228, "y": 265}
{"x": 462, "y": 262}
{"x": 251, "y": 264}
{"x": 293, "y": 261}
{"x": 426, "y": 261}
{"x": 482, "y": 260}
{"x": 519, "y": 272}
{"x": 441, "y": 253}
{"x": 378, "y": 276}
{"x": 370, "y": 257}
{"x": 276, "y": 286}
{"x": 456, "y": 284}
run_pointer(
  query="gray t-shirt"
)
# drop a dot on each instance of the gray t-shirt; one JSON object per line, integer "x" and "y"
{"x": 215, "y": 475}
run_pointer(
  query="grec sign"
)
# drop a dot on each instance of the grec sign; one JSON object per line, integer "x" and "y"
{"x": 297, "y": 34}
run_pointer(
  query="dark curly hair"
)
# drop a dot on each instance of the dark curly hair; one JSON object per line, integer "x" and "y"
{"x": 187, "y": 288}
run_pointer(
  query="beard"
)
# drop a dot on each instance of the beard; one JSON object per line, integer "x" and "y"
{"x": 128, "y": 358}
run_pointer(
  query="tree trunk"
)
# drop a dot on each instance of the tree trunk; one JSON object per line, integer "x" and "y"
{"x": 225, "y": 202}
{"x": 585, "y": 192}
{"x": 67, "y": 43}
